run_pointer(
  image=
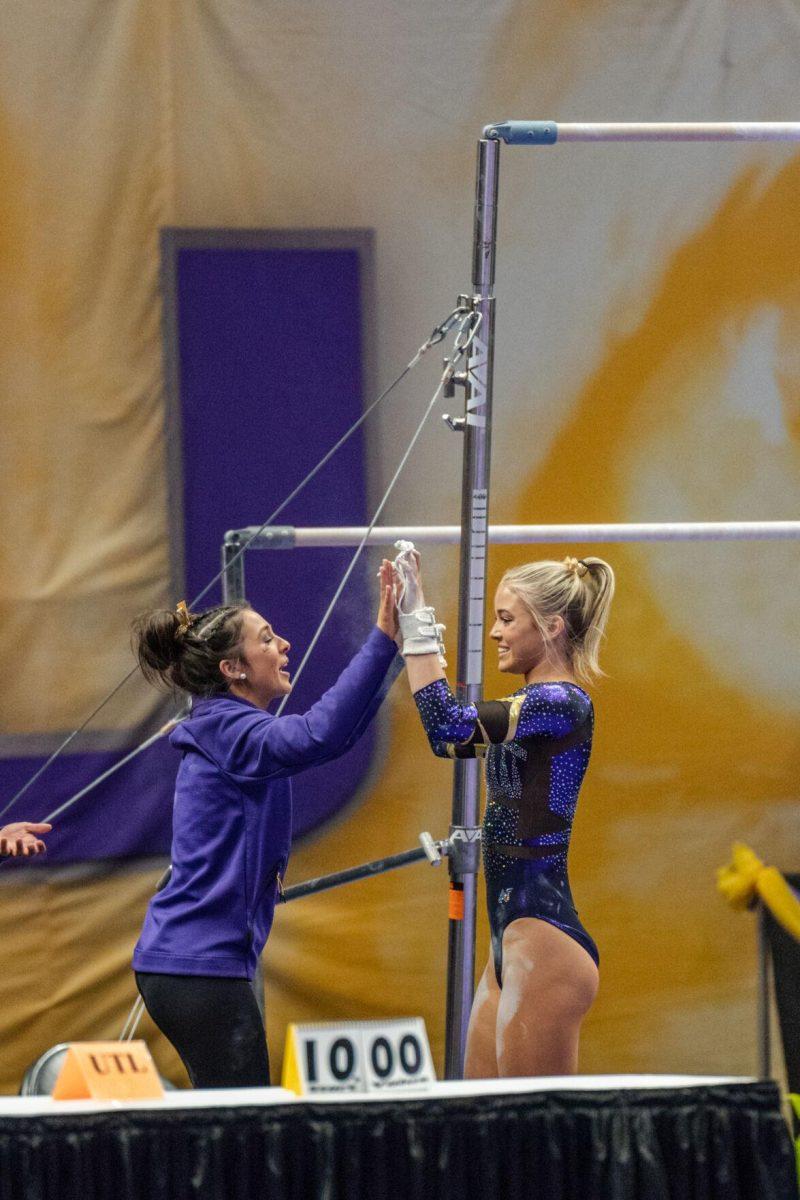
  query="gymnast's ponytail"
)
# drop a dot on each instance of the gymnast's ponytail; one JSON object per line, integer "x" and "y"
{"x": 183, "y": 650}
{"x": 579, "y": 590}
{"x": 591, "y": 616}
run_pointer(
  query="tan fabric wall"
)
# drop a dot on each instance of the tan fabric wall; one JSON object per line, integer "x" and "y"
{"x": 646, "y": 369}
{"x": 67, "y": 977}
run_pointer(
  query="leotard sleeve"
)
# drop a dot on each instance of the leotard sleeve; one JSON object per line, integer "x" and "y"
{"x": 547, "y": 710}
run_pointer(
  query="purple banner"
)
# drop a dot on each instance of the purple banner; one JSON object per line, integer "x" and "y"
{"x": 270, "y": 364}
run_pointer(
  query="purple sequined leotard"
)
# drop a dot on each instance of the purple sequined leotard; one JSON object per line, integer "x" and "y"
{"x": 537, "y": 745}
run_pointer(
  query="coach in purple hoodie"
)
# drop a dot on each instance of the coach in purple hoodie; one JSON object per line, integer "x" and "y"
{"x": 232, "y": 819}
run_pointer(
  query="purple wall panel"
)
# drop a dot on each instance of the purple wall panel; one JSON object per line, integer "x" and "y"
{"x": 130, "y": 814}
{"x": 270, "y": 376}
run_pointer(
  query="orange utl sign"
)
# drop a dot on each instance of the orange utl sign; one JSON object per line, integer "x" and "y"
{"x": 108, "y": 1071}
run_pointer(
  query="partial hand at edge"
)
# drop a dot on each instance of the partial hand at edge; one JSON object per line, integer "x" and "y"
{"x": 19, "y": 840}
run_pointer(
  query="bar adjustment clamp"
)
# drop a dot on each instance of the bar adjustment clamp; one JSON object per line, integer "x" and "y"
{"x": 465, "y": 849}
{"x": 433, "y": 850}
{"x": 453, "y": 379}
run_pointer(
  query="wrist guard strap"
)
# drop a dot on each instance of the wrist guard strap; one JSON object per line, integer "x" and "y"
{"x": 421, "y": 633}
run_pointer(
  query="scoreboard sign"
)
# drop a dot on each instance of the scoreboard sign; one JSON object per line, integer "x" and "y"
{"x": 358, "y": 1056}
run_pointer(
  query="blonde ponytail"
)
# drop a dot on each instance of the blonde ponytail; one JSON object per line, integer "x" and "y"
{"x": 580, "y": 591}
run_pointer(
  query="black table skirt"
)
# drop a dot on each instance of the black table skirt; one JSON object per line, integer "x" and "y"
{"x": 718, "y": 1142}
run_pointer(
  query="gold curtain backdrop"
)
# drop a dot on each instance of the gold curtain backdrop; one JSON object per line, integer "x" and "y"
{"x": 647, "y": 369}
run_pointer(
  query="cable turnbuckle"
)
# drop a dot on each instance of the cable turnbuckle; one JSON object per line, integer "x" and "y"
{"x": 440, "y": 332}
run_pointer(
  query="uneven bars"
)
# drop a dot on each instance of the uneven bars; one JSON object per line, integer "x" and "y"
{"x": 286, "y": 537}
{"x": 547, "y": 133}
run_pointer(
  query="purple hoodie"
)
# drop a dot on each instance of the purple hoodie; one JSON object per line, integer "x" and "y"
{"x": 232, "y": 820}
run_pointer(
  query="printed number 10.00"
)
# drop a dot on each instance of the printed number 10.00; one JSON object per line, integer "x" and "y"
{"x": 342, "y": 1057}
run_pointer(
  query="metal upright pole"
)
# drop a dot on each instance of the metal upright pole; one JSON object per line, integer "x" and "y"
{"x": 464, "y": 861}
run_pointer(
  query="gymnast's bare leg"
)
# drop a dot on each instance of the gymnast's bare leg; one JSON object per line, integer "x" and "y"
{"x": 480, "y": 1061}
{"x": 532, "y": 1025}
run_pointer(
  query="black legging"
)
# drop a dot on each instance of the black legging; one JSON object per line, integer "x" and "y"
{"x": 214, "y": 1024}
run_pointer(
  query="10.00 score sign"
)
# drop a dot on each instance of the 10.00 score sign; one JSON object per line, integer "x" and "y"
{"x": 358, "y": 1056}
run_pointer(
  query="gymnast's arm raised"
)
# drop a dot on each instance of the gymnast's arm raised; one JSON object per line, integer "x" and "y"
{"x": 546, "y": 709}
{"x": 447, "y": 723}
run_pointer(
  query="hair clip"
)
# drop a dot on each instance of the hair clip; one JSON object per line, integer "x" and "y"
{"x": 184, "y": 621}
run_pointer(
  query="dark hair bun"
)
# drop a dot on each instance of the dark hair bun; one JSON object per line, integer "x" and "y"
{"x": 184, "y": 650}
{"x": 155, "y": 642}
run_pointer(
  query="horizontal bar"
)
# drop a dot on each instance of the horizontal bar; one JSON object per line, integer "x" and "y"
{"x": 379, "y": 866}
{"x": 547, "y": 133}
{"x": 676, "y": 531}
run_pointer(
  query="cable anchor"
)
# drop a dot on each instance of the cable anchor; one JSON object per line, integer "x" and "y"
{"x": 440, "y": 332}
{"x": 453, "y": 378}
